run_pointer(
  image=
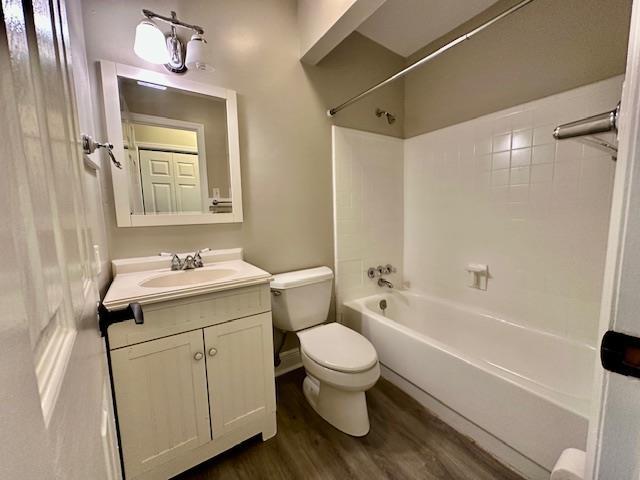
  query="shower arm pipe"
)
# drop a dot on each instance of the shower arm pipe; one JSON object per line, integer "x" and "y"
{"x": 173, "y": 20}
{"x": 418, "y": 63}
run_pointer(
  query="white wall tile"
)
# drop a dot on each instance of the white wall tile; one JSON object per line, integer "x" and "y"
{"x": 535, "y": 210}
{"x": 500, "y": 160}
{"x": 522, "y": 138}
{"x": 368, "y": 203}
{"x": 543, "y": 154}
{"x": 520, "y": 175}
{"x": 543, "y": 135}
{"x": 521, "y": 157}
{"x": 497, "y": 190}
{"x": 500, "y": 177}
{"x": 542, "y": 173}
{"x": 502, "y": 142}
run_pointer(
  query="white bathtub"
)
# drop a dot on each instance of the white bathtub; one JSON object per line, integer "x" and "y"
{"x": 528, "y": 388}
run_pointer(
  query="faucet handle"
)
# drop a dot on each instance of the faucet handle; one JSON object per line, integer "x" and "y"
{"x": 197, "y": 257}
{"x": 379, "y": 271}
{"x": 176, "y": 263}
{"x": 197, "y": 260}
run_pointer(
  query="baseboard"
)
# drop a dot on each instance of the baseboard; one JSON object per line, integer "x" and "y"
{"x": 289, "y": 360}
{"x": 491, "y": 444}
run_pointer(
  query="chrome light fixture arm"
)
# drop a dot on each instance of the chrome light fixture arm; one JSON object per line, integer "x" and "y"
{"x": 173, "y": 20}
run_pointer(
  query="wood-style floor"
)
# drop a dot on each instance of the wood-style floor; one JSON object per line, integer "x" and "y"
{"x": 405, "y": 442}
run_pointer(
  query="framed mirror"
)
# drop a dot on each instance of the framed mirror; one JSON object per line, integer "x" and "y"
{"x": 177, "y": 144}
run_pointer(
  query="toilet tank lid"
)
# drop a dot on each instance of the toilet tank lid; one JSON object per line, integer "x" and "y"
{"x": 301, "y": 277}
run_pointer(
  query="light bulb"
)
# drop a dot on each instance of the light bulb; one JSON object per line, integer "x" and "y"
{"x": 196, "y": 52}
{"x": 150, "y": 43}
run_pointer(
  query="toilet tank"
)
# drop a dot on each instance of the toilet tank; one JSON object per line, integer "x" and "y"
{"x": 301, "y": 299}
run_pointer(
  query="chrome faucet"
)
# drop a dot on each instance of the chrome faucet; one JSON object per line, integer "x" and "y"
{"x": 189, "y": 263}
{"x": 384, "y": 283}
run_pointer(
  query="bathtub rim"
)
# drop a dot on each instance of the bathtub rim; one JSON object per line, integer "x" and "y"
{"x": 505, "y": 374}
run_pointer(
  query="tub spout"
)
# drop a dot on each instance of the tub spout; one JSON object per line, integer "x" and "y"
{"x": 384, "y": 283}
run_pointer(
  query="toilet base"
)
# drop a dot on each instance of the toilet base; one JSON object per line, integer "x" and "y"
{"x": 345, "y": 410}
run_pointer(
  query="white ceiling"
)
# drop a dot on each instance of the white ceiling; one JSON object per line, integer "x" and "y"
{"x": 404, "y": 26}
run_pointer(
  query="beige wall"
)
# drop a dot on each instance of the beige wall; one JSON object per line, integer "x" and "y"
{"x": 547, "y": 47}
{"x": 316, "y": 17}
{"x": 285, "y": 141}
{"x": 353, "y": 66}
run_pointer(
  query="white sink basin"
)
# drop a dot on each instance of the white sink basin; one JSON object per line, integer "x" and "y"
{"x": 188, "y": 277}
{"x": 149, "y": 280}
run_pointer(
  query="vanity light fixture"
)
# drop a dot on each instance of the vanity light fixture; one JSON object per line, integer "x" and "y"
{"x": 152, "y": 45}
{"x": 196, "y": 50}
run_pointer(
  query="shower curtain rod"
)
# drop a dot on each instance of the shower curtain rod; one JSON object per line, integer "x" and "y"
{"x": 332, "y": 111}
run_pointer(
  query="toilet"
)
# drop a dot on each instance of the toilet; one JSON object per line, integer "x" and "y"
{"x": 340, "y": 363}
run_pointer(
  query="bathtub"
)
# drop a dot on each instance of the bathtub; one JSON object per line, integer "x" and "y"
{"x": 527, "y": 388}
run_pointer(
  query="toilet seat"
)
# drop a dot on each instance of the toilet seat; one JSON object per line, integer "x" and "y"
{"x": 336, "y": 347}
{"x": 348, "y": 382}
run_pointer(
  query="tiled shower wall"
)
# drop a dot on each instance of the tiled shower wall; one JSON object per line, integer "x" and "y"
{"x": 499, "y": 190}
{"x": 368, "y": 195}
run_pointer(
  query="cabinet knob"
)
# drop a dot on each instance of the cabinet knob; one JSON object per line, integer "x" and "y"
{"x": 198, "y": 356}
{"x": 212, "y": 352}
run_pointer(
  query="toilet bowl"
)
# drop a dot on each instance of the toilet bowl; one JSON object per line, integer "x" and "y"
{"x": 340, "y": 363}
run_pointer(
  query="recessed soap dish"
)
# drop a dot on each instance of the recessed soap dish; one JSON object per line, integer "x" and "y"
{"x": 480, "y": 274}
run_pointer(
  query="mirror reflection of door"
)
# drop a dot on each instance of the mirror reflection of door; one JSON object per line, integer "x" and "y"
{"x": 170, "y": 182}
{"x": 171, "y": 177}
{"x": 176, "y": 152}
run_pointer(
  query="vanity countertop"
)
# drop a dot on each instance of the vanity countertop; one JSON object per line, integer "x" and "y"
{"x": 140, "y": 280}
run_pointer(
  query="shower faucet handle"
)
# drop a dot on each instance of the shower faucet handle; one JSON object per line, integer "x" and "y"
{"x": 380, "y": 270}
{"x": 386, "y": 270}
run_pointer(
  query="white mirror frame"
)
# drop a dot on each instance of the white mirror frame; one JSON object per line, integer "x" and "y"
{"x": 110, "y": 72}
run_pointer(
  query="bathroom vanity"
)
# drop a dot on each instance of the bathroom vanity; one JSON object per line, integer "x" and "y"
{"x": 196, "y": 377}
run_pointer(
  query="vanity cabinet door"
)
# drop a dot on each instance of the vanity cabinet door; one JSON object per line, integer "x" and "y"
{"x": 161, "y": 397}
{"x": 240, "y": 371}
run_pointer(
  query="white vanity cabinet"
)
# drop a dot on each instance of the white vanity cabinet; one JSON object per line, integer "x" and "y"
{"x": 161, "y": 390}
{"x": 194, "y": 380}
{"x": 239, "y": 372}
